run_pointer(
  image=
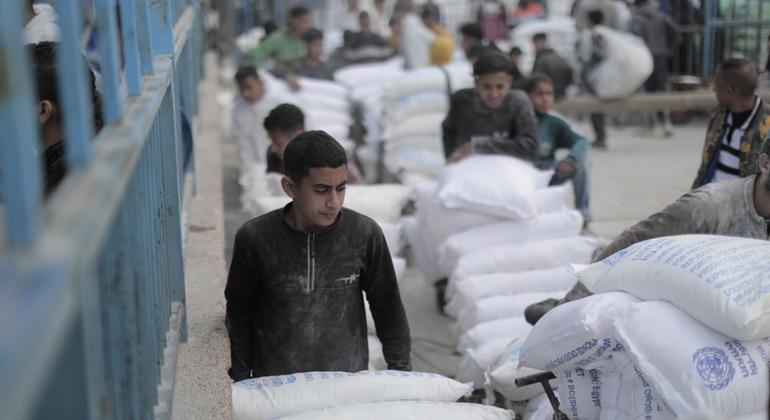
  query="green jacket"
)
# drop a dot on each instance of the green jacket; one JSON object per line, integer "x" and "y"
{"x": 554, "y": 133}
{"x": 281, "y": 46}
{"x": 751, "y": 144}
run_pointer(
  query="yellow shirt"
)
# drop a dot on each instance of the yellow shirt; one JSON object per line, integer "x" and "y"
{"x": 442, "y": 47}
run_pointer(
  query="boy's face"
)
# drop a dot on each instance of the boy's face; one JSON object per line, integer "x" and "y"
{"x": 467, "y": 42}
{"x": 280, "y": 138}
{"x": 251, "y": 89}
{"x": 366, "y": 23}
{"x": 301, "y": 23}
{"x": 318, "y": 197}
{"x": 539, "y": 45}
{"x": 315, "y": 49}
{"x": 492, "y": 88}
{"x": 542, "y": 97}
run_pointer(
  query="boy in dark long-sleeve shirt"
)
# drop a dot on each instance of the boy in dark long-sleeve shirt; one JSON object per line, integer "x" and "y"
{"x": 490, "y": 118}
{"x": 294, "y": 301}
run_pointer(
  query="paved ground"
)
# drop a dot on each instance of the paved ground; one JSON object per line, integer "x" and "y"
{"x": 637, "y": 175}
{"x": 202, "y": 387}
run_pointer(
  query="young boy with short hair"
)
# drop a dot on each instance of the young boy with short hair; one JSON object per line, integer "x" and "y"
{"x": 490, "y": 118}
{"x": 294, "y": 301}
{"x": 251, "y": 107}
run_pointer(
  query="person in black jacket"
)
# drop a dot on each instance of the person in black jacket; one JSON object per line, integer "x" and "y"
{"x": 50, "y": 109}
{"x": 490, "y": 118}
{"x": 551, "y": 64}
{"x": 294, "y": 291}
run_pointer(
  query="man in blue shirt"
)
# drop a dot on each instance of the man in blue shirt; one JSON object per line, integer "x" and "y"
{"x": 554, "y": 133}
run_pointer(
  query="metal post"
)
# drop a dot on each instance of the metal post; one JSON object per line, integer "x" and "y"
{"x": 20, "y": 167}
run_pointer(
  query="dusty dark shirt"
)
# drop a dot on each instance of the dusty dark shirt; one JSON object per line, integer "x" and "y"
{"x": 294, "y": 301}
{"x": 509, "y": 130}
{"x": 55, "y": 167}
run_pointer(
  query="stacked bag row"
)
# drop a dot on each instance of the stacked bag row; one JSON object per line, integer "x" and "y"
{"x": 351, "y": 396}
{"x": 413, "y": 107}
{"x": 366, "y": 82}
{"x": 679, "y": 327}
{"x": 326, "y": 106}
{"x": 503, "y": 239}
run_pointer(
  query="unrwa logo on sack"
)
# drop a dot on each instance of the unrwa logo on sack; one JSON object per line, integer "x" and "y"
{"x": 714, "y": 367}
{"x": 613, "y": 259}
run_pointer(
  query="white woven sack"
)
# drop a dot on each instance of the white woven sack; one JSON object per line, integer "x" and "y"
{"x": 376, "y": 357}
{"x": 627, "y": 66}
{"x": 466, "y": 185}
{"x": 399, "y": 266}
{"x": 401, "y": 160}
{"x": 476, "y": 361}
{"x": 513, "y": 258}
{"x": 544, "y": 226}
{"x": 320, "y": 116}
{"x": 271, "y": 397}
{"x": 415, "y": 126}
{"x": 394, "y": 236}
{"x": 627, "y": 394}
{"x": 323, "y": 87}
{"x": 551, "y": 199}
{"x": 315, "y": 103}
{"x": 575, "y": 334}
{"x": 407, "y": 410}
{"x": 431, "y": 79}
{"x": 438, "y": 222}
{"x": 470, "y": 290}
{"x": 431, "y": 143}
{"x": 334, "y": 129}
{"x": 692, "y": 367}
{"x": 720, "y": 281}
{"x": 539, "y": 408}
{"x": 503, "y": 375}
{"x": 421, "y": 103}
{"x": 485, "y": 332}
{"x": 421, "y": 253}
{"x": 582, "y": 389}
{"x": 499, "y": 307}
{"x": 370, "y": 74}
{"x": 381, "y": 202}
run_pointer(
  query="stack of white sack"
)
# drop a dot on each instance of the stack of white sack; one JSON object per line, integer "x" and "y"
{"x": 480, "y": 190}
{"x": 502, "y": 246}
{"x": 561, "y": 33}
{"x": 703, "y": 353}
{"x": 366, "y": 83}
{"x": 365, "y": 394}
{"x": 326, "y": 105}
{"x": 413, "y": 107}
{"x": 381, "y": 202}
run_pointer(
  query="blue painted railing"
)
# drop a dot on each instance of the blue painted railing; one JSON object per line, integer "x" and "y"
{"x": 92, "y": 298}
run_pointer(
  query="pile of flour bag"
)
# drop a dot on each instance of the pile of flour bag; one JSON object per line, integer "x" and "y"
{"x": 678, "y": 328}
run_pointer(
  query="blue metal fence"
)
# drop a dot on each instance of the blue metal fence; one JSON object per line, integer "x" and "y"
{"x": 92, "y": 299}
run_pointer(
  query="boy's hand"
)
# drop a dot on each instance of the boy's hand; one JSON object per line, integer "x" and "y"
{"x": 291, "y": 80}
{"x": 460, "y": 154}
{"x": 566, "y": 168}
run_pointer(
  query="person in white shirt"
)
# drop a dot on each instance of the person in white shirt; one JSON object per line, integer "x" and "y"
{"x": 252, "y": 105}
{"x": 380, "y": 19}
{"x": 350, "y": 18}
{"x": 415, "y": 37}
